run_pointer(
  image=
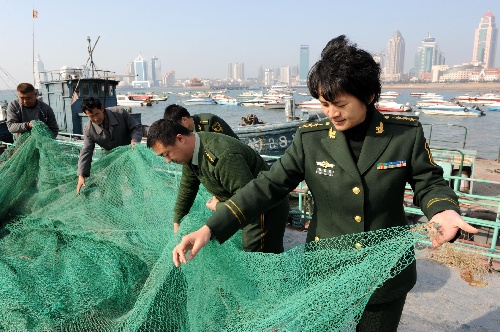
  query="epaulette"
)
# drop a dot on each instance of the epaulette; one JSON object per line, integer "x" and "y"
{"x": 212, "y": 159}
{"x": 314, "y": 126}
{"x": 204, "y": 122}
{"x": 401, "y": 119}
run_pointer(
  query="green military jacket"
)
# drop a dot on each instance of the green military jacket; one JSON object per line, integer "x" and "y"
{"x": 348, "y": 197}
{"x": 225, "y": 166}
{"x": 212, "y": 123}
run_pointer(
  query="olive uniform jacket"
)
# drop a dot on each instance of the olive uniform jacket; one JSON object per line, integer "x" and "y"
{"x": 212, "y": 123}
{"x": 349, "y": 197}
{"x": 225, "y": 165}
{"x": 122, "y": 130}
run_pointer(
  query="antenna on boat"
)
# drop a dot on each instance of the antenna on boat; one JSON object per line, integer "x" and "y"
{"x": 91, "y": 51}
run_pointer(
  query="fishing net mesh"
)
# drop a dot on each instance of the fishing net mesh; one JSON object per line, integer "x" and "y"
{"x": 101, "y": 260}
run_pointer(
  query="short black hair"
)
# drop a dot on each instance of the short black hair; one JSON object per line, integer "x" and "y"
{"x": 175, "y": 113}
{"x": 345, "y": 68}
{"x": 165, "y": 132}
{"x": 25, "y": 88}
{"x": 91, "y": 103}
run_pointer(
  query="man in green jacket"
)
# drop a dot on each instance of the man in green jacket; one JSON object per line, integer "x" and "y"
{"x": 356, "y": 165}
{"x": 198, "y": 122}
{"x": 223, "y": 165}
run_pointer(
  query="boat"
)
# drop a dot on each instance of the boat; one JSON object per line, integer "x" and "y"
{"x": 256, "y": 102}
{"x": 250, "y": 94}
{"x": 464, "y": 111}
{"x": 313, "y": 103}
{"x": 430, "y": 102}
{"x": 417, "y": 94}
{"x": 389, "y": 95}
{"x": 200, "y": 101}
{"x": 392, "y": 106}
{"x": 127, "y": 101}
{"x": 228, "y": 101}
{"x": 484, "y": 99}
{"x": 431, "y": 95}
{"x": 275, "y": 104}
{"x": 495, "y": 107}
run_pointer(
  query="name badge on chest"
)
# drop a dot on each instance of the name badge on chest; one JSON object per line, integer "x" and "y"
{"x": 325, "y": 168}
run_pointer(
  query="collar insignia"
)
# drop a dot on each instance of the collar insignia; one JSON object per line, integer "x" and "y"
{"x": 379, "y": 129}
{"x": 332, "y": 133}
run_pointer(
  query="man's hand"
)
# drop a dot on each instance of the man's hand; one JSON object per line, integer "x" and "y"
{"x": 81, "y": 182}
{"x": 192, "y": 242}
{"x": 30, "y": 125}
{"x": 176, "y": 227}
{"x": 133, "y": 144}
{"x": 449, "y": 222}
{"x": 212, "y": 203}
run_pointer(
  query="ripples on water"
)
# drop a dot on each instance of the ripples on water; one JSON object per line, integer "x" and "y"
{"x": 483, "y": 133}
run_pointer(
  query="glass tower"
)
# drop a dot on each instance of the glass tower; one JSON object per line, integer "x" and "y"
{"x": 485, "y": 41}
{"x": 304, "y": 63}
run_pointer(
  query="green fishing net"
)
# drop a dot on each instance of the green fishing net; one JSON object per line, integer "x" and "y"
{"x": 101, "y": 261}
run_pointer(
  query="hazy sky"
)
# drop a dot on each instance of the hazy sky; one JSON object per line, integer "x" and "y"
{"x": 199, "y": 38}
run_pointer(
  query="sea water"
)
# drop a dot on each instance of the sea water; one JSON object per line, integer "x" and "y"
{"x": 483, "y": 133}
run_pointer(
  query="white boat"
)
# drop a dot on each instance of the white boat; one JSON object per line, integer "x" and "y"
{"x": 249, "y": 94}
{"x": 228, "y": 101}
{"x": 494, "y": 107}
{"x": 392, "y": 106}
{"x": 417, "y": 94}
{"x": 485, "y": 99}
{"x": 313, "y": 103}
{"x": 430, "y": 102}
{"x": 275, "y": 104}
{"x": 389, "y": 95}
{"x": 463, "y": 112}
{"x": 256, "y": 102}
{"x": 127, "y": 101}
{"x": 431, "y": 95}
{"x": 200, "y": 101}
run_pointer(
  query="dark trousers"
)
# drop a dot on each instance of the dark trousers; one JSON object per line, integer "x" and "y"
{"x": 266, "y": 233}
{"x": 382, "y": 317}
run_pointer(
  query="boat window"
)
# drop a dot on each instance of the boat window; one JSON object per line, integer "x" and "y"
{"x": 108, "y": 91}
{"x": 85, "y": 89}
{"x": 95, "y": 90}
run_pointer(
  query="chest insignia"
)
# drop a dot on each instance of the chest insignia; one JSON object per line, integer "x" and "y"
{"x": 325, "y": 168}
{"x": 392, "y": 164}
{"x": 217, "y": 127}
{"x": 332, "y": 133}
{"x": 379, "y": 129}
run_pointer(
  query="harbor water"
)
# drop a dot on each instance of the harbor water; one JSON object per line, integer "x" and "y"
{"x": 483, "y": 133}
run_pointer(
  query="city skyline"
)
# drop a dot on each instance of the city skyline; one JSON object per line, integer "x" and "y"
{"x": 199, "y": 39}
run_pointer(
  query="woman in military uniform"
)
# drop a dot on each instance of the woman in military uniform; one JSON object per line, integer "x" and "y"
{"x": 356, "y": 165}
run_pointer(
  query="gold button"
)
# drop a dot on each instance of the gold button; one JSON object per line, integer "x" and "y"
{"x": 357, "y": 218}
{"x": 358, "y": 245}
{"x": 316, "y": 239}
{"x": 356, "y": 190}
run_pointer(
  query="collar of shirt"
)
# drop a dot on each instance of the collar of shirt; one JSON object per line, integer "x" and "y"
{"x": 197, "y": 144}
{"x": 105, "y": 122}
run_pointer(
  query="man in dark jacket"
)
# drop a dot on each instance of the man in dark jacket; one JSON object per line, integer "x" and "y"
{"x": 223, "y": 165}
{"x": 109, "y": 128}
{"x": 21, "y": 112}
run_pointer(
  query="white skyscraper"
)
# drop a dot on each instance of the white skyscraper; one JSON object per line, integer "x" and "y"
{"x": 394, "y": 58}
{"x": 485, "y": 41}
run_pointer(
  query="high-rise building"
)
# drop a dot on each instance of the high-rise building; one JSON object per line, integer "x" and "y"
{"x": 428, "y": 55}
{"x": 394, "y": 58}
{"x": 236, "y": 71}
{"x": 285, "y": 75}
{"x": 485, "y": 41}
{"x": 141, "y": 68}
{"x": 304, "y": 63}
{"x": 155, "y": 71}
{"x": 129, "y": 73}
{"x": 168, "y": 79}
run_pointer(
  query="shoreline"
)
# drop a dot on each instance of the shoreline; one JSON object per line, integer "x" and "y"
{"x": 485, "y": 87}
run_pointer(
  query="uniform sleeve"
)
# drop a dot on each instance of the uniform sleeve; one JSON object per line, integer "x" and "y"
{"x": 432, "y": 193}
{"x": 52, "y": 122}
{"x": 186, "y": 195}
{"x": 85, "y": 160}
{"x": 260, "y": 194}
{"x": 233, "y": 173}
{"x": 134, "y": 127}
{"x": 14, "y": 124}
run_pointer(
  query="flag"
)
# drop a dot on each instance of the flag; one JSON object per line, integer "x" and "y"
{"x": 74, "y": 97}
{"x": 35, "y": 13}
